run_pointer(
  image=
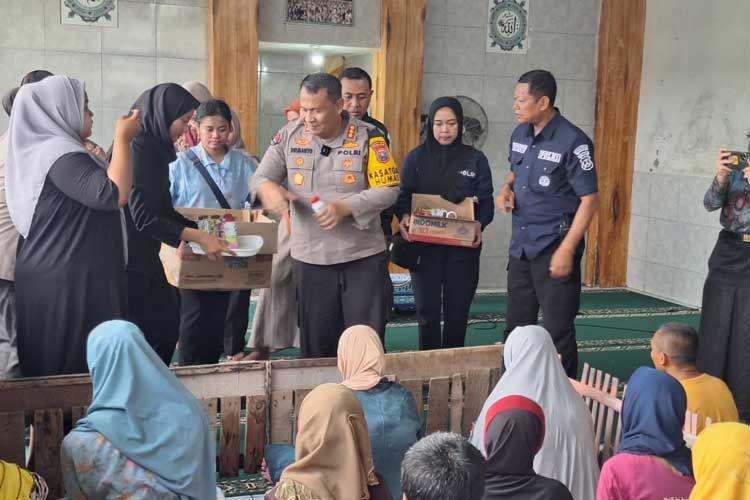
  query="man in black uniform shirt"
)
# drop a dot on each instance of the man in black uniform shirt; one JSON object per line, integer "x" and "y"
{"x": 356, "y": 89}
{"x": 552, "y": 193}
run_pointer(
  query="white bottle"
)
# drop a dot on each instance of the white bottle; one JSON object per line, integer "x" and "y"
{"x": 317, "y": 204}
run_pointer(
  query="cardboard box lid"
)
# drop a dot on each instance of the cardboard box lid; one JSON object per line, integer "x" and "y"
{"x": 248, "y": 222}
{"x": 464, "y": 210}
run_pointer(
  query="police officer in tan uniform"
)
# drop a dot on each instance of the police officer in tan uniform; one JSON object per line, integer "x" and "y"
{"x": 340, "y": 262}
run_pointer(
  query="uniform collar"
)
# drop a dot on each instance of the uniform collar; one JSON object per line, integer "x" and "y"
{"x": 206, "y": 158}
{"x": 548, "y": 132}
{"x": 338, "y": 141}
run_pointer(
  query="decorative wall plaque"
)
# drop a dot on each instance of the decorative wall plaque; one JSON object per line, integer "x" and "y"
{"x": 508, "y": 26}
{"x": 337, "y": 12}
{"x": 89, "y": 12}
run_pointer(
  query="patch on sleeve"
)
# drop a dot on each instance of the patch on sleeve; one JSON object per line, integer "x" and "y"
{"x": 276, "y": 139}
{"x": 584, "y": 157}
{"x": 381, "y": 169}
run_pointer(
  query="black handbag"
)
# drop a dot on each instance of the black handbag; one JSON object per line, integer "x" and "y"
{"x": 404, "y": 253}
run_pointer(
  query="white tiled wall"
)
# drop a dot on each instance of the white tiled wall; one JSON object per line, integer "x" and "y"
{"x": 156, "y": 41}
{"x": 562, "y": 39}
{"x": 687, "y": 112}
{"x": 280, "y": 75}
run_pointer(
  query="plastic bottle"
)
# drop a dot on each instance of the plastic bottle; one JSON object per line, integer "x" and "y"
{"x": 230, "y": 231}
{"x": 317, "y": 204}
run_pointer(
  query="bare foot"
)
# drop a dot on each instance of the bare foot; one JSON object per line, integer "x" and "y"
{"x": 258, "y": 355}
{"x": 237, "y": 357}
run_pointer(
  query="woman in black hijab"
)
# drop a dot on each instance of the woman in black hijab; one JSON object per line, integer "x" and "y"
{"x": 151, "y": 219}
{"x": 514, "y": 433}
{"x": 445, "y": 277}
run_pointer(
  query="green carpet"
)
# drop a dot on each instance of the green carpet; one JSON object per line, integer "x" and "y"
{"x": 613, "y": 327}
{"x": 613, "y": 330}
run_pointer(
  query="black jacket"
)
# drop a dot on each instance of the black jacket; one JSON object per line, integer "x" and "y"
{"x": 151, "y": 217}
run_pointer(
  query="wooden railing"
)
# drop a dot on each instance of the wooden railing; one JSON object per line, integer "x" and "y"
{"x": 449, "y": 386}
{"x": 600, "y": 391}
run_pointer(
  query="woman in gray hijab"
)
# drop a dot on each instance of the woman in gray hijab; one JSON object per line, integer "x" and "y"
{"x": 65, "y": 203}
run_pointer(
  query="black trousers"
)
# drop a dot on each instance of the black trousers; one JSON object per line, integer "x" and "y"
{"x": 202, "y": 320}
{"x": 332, "y": 298}
{"x": 447, "y": 286}
{"x": 236, "y": 321}
{"x": 530, "y": 286}
{"x": 152, "y": 305}
{"x": 724, "y": 347}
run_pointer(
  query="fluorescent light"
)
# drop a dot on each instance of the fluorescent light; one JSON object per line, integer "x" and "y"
{"x": 317, "y": 59}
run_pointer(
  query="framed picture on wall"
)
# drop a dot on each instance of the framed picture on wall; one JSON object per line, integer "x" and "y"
{"x": 101, "y": 13}
{"x": 336, "y": 12}
{"x": 508, "y": 26}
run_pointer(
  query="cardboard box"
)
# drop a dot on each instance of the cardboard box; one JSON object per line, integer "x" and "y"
{"x": 460, "y": 231}
{"x": 229, "y": 273}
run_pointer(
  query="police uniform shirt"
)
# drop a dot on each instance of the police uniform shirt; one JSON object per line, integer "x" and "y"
{"x": 552, "y": 170}
{"x": 335, "y": 169}
{"x": 378, "y": 125}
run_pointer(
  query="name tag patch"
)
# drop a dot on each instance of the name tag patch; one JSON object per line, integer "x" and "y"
{"x": 584, "y": 157}
{"x": 519, "y": 148}
{"x": 549, "y": 156}
{"x": 304, "y": 151}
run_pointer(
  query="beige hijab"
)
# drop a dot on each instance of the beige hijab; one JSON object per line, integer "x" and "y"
{"x": 333, "y": 457}
{"x": 361, "y": 358}
{"x": 198, "y": 90}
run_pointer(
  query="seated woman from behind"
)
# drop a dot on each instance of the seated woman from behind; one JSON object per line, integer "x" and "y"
{"x": 653, "y": 462}
{"x": 332, "y": 452}
{"x": 391, "y": 414}
{"x": 144, "y": 435}
{"x": 533, "y": 370}
{"x": 514, "y": 433}
{"x": 722, "y": 463}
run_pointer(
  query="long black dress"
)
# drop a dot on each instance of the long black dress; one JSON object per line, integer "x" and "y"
{"x": 151, "y": 218}
{"x": 70, "y": 273}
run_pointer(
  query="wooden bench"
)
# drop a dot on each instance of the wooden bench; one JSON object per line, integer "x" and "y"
{"x": 600, "y": 392}
{"x": 450, "y": 386}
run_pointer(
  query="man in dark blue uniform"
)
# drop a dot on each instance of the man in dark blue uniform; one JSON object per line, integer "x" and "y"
{"x": 356, "y": 89}
{"x": 552, "y": 193}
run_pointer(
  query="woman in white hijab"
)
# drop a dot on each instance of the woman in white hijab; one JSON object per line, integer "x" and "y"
{"x": 534, "y": 371}
{"x": 64, "y": 201}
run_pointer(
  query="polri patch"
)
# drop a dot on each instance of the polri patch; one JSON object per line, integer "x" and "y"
{"x": 549, "y": 156}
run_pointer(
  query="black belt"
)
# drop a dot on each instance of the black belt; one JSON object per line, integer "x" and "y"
{"x": 743, "y": 237}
